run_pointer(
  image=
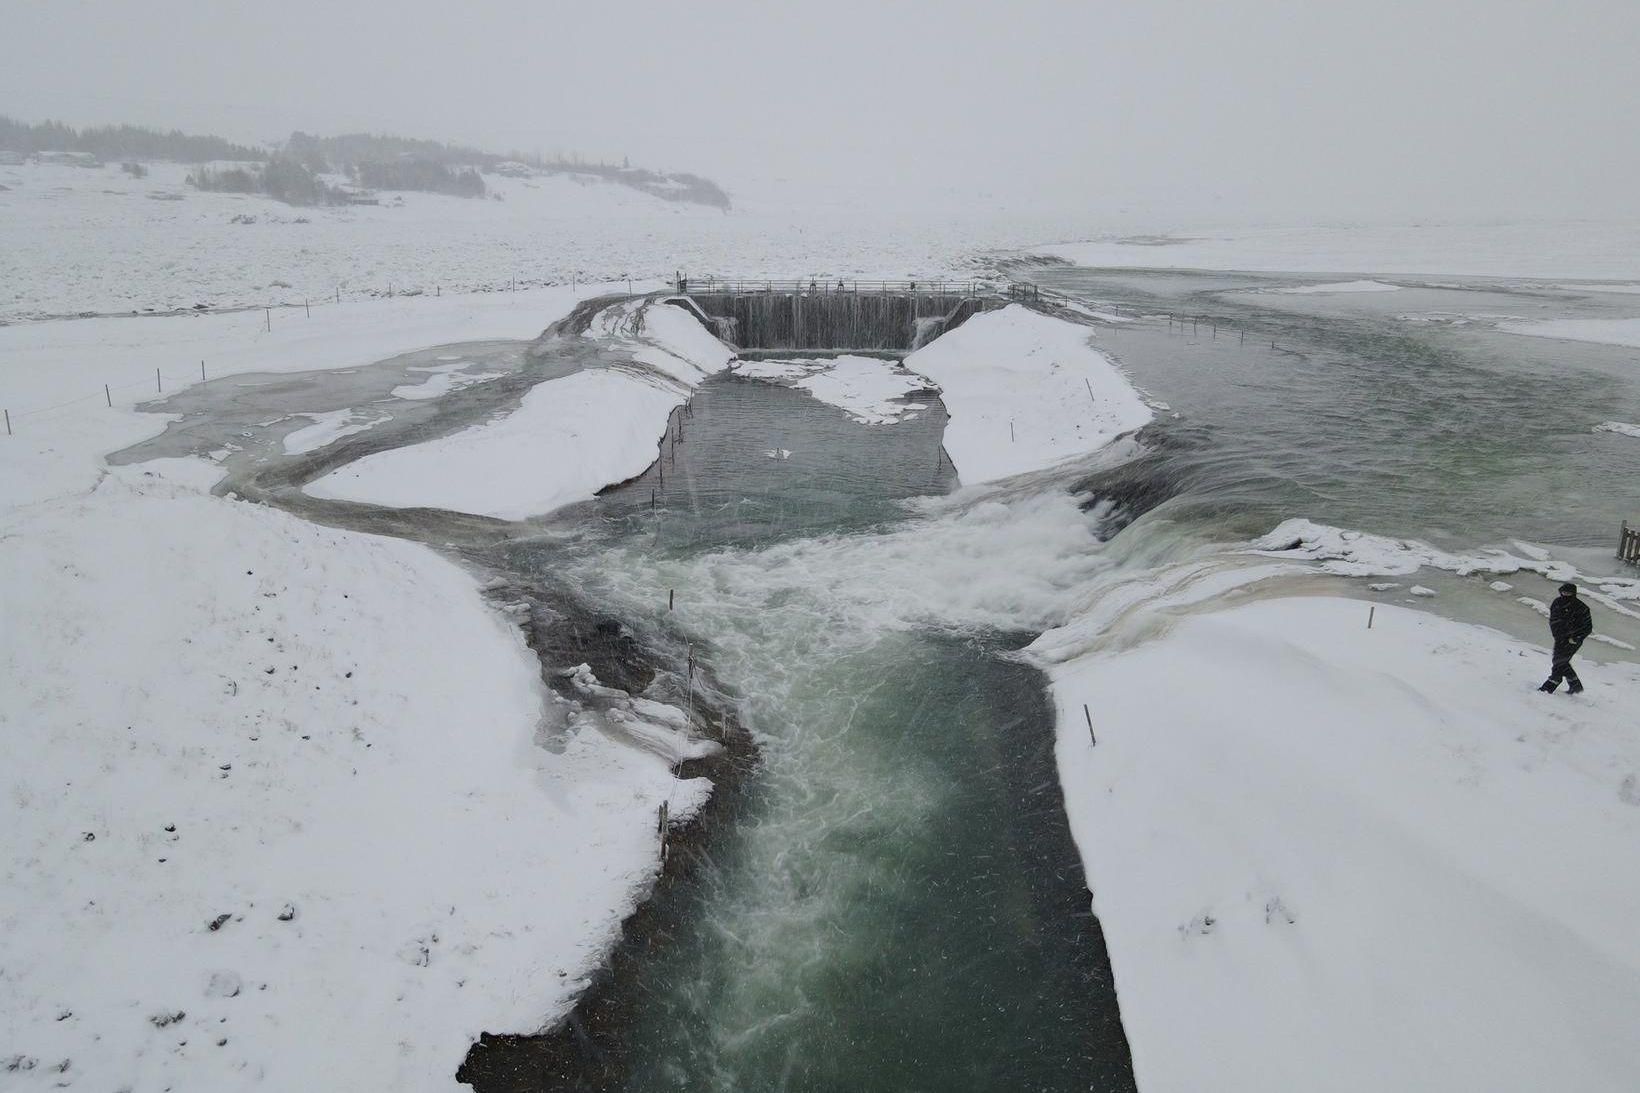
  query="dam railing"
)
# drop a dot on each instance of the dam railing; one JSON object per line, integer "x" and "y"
{"x": 816, "y": 286}
{"x": 1628, "y": 544}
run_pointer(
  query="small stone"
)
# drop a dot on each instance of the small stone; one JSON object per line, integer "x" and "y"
{"x": 90, "y": 837}
{"x": 286, "y": 913}
{"x": 217, "y": 923}
{"x": 170, "y": 828}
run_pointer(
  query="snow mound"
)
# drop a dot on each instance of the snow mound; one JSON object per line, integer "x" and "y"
{"x": 568, "y": 438}
{"x": 1620, "y": 427}
{"x": 1025, "y": 391}
{"x": 871, "y": 391}
{"x": 1349, "y": 553}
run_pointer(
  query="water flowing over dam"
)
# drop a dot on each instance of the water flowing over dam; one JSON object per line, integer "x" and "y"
{"x": 894, "y": 317}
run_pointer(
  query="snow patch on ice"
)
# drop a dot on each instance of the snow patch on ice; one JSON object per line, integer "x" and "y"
{"x": 1620, "y": 427}
{"x": 330, "y": 427}
{"x": 445, "y": 378}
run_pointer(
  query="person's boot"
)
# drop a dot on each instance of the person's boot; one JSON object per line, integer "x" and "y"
{"x": 1574, "y": 686}
{"x": 1548, "y": 687}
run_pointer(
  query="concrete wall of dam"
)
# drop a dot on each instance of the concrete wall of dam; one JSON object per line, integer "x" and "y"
{"x": 894, "y": 321}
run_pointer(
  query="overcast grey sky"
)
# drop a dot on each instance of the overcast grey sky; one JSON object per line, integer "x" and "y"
{"x": 1194, "y": 109}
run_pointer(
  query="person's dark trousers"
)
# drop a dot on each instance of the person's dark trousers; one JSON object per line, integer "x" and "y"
{"x": 1561, "y": 666}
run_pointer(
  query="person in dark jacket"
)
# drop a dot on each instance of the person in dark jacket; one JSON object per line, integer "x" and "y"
{"x": 1569, "y": 623}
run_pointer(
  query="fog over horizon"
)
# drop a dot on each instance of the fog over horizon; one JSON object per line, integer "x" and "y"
{"x": 1177, "y": 113}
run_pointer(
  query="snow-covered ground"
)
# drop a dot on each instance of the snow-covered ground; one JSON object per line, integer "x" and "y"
{"x": 1578, "y": 249}
{"x": 1025, "y": 391}
{"x": 77, "y": 240}
{"x": 871, "y": 391}
{"x": 1327, "y": 857}
{"x": 567, "y": 439}
{"x": 1603, "y": 331}
{"x": 286, "y": 807}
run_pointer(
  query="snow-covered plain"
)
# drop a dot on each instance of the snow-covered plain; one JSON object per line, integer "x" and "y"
{"x": 1025, "y": 391}
{"x": 1578, "y": 249}
{"x": 567, "y": 439}
{"x": 1353, "y": 859}
{"x": 77, "y": 240}
{"x": 871, "y": 391}
{"x": 214, "y": 709}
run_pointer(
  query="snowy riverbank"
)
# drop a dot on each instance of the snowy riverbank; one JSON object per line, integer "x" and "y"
{"x": 279, "y": 812}
{"x": 568, "y": 438}
{"x": 1347, "y": 859}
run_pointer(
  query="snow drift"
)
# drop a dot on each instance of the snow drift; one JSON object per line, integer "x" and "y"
{"x": 1025, "y": 391}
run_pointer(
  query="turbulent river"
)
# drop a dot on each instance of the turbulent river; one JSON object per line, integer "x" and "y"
{"x": 892, "y": 899}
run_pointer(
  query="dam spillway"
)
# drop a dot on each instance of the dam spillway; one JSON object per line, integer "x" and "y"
{"x": 883, "y": 317}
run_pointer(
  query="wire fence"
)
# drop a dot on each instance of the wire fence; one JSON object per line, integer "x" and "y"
{"x": 160, "y": 381}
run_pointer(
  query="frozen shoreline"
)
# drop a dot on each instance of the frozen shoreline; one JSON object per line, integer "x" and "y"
{"x": 1347, "y": 859}
{"x": 249, "y": 711}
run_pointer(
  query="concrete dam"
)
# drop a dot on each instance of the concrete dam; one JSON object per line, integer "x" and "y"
{"x": 880, "y": 317}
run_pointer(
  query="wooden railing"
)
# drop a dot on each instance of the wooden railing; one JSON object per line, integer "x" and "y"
{"x": 1628, "y": 544}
